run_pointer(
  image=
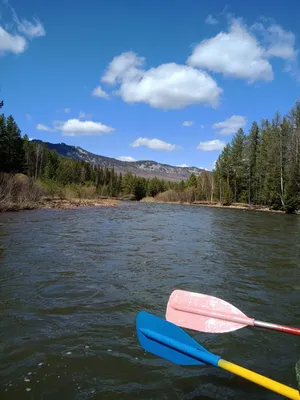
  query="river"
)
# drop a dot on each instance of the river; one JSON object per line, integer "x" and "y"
{"x": 73, "y": 281}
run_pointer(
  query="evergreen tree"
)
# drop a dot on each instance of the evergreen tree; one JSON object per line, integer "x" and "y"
{"x": 154, "y": 187}
{"x": 140, "y": 188}
{"x": 181, "y": 185}
{"x": 253, "y": 144}
{"x": 128, "y": 183}
{"x": 50, "y": 170}
{"x": 293, "y": 160}
{"x": 238, "y": 164}
{"x": 3, "y": 141}
{"x": 192, "y": 181}
{"x": 11, "y": 146}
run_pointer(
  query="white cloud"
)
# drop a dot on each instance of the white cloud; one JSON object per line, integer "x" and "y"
{"x": 279, "y": 42}
{"x": 84, "y": 115}
{"x": 126, "y": 158}
{"x": 211, "y": 20}
{"x": 155, "y": 144}
{"x": 11, "y": 43}
{"x": 67, "y": 110}
{"x": 236, "y": 53}
{"x": 230, "y": 125}
{"x": 282, "y": 43}
{"x": 99, "y": 92}
{"x": 182, "y": 165}
{"x": 211, "y": 145}
{"x": 42, "y": 127}
{"x": 245, "y": 52}
{"x": 28, "y": 117}
{"x": 75, "y": 127}
{"x": 29, "y": 29}
{"x": 168, "y": 86}
{"x": 188, "y": 123}
{"x": 125, "y": 67}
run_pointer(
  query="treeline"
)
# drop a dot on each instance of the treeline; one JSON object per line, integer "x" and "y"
{"x": 34, "y": 159}
{"x": 262, "y": 167}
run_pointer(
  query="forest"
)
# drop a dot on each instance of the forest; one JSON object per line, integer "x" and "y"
{"x": 258, "y": 168}
{"x": 262, "y": 167}
{"x": 52, "y": 175}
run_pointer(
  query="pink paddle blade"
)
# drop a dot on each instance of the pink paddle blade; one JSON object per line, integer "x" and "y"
{"x": 204, "y": 313}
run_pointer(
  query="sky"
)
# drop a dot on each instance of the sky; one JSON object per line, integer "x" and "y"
{"x": 170, "y": 81}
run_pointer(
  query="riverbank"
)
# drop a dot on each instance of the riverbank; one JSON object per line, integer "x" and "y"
{"x": 56, "y": 202}
{"x": 236, "y": 206}
{"x": 19, "y": 192}
{"x": 74, "y": 203}
{"x": 68, "y": 204}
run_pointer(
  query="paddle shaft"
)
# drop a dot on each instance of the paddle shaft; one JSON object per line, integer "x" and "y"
{"x": 211, "y": 359}
{"x": 281, "y": 328}
{"x": 244, "y": 320}
{"x": 260, "y": 380}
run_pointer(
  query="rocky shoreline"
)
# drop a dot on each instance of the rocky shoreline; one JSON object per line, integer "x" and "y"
{"x": 235, "y": 206}
{"x": 74, "y": 203}
{"x": 69, "y": 204}
{"x": 65, "y": 204}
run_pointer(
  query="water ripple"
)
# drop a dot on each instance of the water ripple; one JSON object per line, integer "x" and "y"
{"x": 72, "y": 282}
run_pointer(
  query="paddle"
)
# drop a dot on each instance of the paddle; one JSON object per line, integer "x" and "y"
{"x": 166, "y": 340}
{"x": 298, "y": 373}
{"x": 212, "y": 315}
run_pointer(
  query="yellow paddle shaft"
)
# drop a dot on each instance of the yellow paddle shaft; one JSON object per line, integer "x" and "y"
{"x": 260, "y": 380}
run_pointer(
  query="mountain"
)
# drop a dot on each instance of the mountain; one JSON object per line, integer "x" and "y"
{"x": 146, "y": 169}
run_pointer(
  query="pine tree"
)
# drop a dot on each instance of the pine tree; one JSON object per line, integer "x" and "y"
{"x": 3, "y": 143}
{"x": 225, "y": 172}
{"x": 154, "y": 187}
{"x": 192, "y": 181}
{"x": 293, "y": 160}
{"x": 238, "y": 165}
{"x": 140, "y": 188}
{"x": 253, "y": 145}
{"x": 29, "y": 165}
{"x": 50, "y": 170}
{"x": 11, "y": 146}
{"x": 128, "y": 183}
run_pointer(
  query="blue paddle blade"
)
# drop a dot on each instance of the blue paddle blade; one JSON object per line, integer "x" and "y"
{"x": 167, "y": 340}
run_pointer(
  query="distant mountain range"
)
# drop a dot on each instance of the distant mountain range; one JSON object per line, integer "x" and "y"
{"x": 146, "y": 169}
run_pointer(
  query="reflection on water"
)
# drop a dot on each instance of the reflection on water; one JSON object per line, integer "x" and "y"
{"x": 72, "y": 282}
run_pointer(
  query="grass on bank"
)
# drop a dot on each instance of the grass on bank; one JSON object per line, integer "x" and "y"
{"x": 19, "y": 192}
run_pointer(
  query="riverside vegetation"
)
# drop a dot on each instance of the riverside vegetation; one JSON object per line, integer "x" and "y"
{"x": 32, "y": 176}
{"x": 261, "y": 169}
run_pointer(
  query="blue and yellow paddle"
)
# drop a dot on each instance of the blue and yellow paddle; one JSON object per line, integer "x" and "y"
{"x": 166, "y": 340}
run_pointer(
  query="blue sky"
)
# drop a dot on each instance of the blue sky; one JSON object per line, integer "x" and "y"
{"x": 169, "y": 81}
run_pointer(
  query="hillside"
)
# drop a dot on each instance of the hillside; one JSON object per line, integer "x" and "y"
{"x": 146, "y": 169}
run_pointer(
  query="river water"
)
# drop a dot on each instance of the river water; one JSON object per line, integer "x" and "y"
{"x": 73, "y": 281}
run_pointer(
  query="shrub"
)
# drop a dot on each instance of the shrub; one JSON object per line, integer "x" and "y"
{"x": 18, "y": 192}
